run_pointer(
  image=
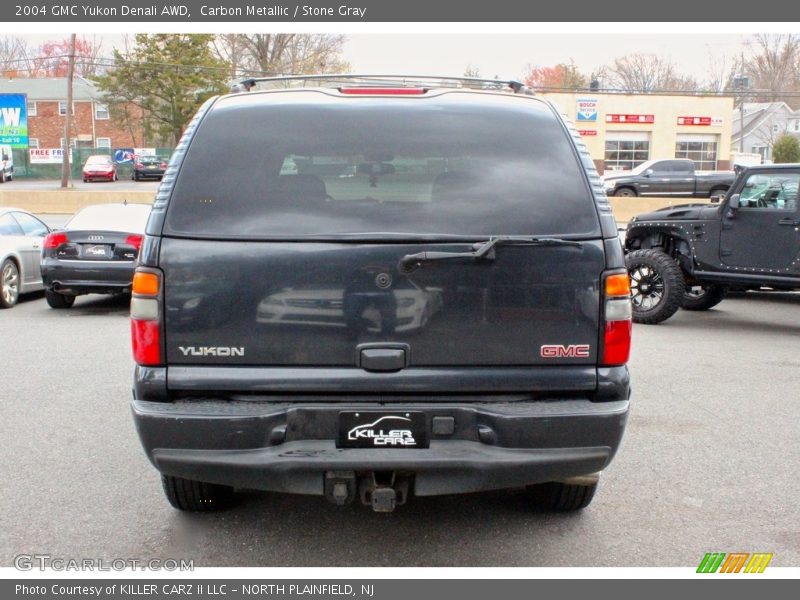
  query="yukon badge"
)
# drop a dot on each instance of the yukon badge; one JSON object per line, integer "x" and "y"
{"x": 220, "y": 351}
{"x": 562, "y": 351}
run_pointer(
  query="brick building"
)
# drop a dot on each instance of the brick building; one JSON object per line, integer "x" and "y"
{"x": 92, "y": 123}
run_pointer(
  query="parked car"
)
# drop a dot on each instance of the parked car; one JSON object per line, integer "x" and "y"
{"x": 21, "y": 236}
{"x": 99, "y": 167}
{"x": 469, "y": 276}
{"x": 95, "y": 253}
{"x": 673, "y": 177}
{"x": 689, "y": 256}
{"x": 148, "y": 167}
{"x": 6, "y": 164}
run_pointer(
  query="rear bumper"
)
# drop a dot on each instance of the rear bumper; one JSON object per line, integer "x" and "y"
{"x": 288, "y": 447}
{"x": 87, "y": 276}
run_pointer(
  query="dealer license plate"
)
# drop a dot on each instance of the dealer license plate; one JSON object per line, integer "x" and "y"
{"x": 374, "y": 429}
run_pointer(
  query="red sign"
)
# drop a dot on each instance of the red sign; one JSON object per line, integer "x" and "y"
{"x": 587, "y": 132}
{"x": 633, "y": 119}
{"x": 701, "y": 121}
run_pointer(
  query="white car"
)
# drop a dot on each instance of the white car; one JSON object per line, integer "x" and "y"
{"x": 21, "y": 236}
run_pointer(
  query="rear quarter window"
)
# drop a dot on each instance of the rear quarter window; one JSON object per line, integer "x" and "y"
{"x": 308, "y": 164}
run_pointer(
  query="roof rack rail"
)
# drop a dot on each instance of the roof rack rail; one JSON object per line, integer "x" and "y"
{"x": 386, "y": 80}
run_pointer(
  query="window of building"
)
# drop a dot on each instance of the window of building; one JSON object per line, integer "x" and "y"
{"x": 101, "y": 112}
{"x": 699, "y": 148}
{"x": 62, "y": 108}
{"x": 33, "y": 142}
{"x": 626, "y": 150}
{"x": 73, "y": 142}
{"x": 31, "y": 109}
{"x": 102, "y": 142}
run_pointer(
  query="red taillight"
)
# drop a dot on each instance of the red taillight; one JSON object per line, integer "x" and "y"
{"x": 617, "y": 320}
{"x": 617, "y": 343}
{"x": 146, "y": 318}
{"x": 135, "y": 241}
{"x": 379, "y": 91}
{"x": 138, "y": 166}
{"x": 54, "y": 240}
{"x": 163, "y": 166}
{"x": 146, "y": 339}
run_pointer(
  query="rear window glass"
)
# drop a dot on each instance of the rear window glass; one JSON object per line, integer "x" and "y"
{"x": 130, "y": 218}
{"x": 439, "y": 166}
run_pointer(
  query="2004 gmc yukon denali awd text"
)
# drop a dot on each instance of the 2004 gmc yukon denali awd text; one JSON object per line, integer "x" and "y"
{"x": 380, "y": 291}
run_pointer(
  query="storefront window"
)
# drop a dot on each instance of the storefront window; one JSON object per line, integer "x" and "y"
{"x": 624, "y": 155}
{"x": 703, "y": 152}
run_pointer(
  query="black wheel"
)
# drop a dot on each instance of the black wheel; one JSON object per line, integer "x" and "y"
{"x": 187, "y": 494}
{"x": 560, "y": 497}
{"x": 625, "y": 193}
{"x": 9, "y": 284}
{"x": 656, "y": 286}
{"x": 703, "y": 297}
{"x": 56, "y": 300}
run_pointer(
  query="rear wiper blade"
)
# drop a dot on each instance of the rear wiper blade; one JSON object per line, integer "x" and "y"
{"x": 480, "y": 250}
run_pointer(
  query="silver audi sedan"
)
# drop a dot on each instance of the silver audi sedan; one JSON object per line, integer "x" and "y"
{"x": 21, "y": 237}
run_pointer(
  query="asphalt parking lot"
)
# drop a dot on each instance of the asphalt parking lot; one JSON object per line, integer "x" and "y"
{"x": 707, "y": 464}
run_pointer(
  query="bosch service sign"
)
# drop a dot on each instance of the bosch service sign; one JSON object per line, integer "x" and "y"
{"x": 14, "y": 120}
{"x": 587, "y": 109}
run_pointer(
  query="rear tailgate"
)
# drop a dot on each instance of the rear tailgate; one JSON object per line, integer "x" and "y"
{"x": 281, "y": 264}
{"x": 278, "y": 304}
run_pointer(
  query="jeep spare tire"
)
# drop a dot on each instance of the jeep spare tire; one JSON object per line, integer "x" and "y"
{"x": 657, "y": 286}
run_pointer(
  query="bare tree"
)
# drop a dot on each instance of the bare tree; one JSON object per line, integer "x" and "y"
{"x": 647, "y": 73}
{"x": 774, "y": 69}
{"x": 281, "y": 53}
{"x": 720, "y": 72}
{"x": 14, "y": 56}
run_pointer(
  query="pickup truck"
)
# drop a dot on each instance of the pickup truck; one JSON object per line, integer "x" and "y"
{"x": 673, "y": 177}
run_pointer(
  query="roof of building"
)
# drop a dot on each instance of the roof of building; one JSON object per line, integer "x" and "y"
{"x": 756, "y": 114}
{"x": 50, "y": 88}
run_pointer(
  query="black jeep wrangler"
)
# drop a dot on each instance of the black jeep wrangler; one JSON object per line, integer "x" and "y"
{"x": 382, "y": 288}
{"x": 690, "y": 256}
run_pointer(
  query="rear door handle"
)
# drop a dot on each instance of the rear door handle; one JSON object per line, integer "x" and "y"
{"x": 790, "y": 222}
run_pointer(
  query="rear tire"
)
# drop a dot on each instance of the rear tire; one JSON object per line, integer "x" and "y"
{"x": 625, "y": 193}
{"x": 197, "y": 496}
{"x": 560, "y": 497}
{"x": 717, "y": 191}
{"x": 56, "y": 300}
{"x": 657, "y": 286}
{"x": 704, "y": 297}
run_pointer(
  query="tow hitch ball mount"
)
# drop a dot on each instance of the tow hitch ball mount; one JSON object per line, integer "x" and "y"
{"x": 382, "y": 491}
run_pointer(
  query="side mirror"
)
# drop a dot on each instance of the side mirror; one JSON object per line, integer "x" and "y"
{"x": 733, "y": 206}
{"x": 648, "y": 173}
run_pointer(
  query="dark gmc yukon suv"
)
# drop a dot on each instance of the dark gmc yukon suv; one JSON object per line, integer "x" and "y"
{"x": 379, "y": 291}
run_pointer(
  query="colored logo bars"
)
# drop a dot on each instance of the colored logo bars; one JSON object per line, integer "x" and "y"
{"x": 734, "y": 562}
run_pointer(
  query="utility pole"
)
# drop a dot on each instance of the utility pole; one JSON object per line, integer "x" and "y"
{"x": 68, "y": 116}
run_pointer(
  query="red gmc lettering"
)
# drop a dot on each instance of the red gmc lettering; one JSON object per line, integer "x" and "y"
{"x": 561, "y": 351}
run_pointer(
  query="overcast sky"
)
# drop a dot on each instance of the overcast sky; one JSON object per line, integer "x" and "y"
{"x": 507, "y": 55}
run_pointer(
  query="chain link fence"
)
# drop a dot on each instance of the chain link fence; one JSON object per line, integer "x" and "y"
{"x": 24, "y": 169}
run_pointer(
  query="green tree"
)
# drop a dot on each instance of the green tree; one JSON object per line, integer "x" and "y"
{"x": 161, "y": 82}
{"x": 786, "y": 149}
